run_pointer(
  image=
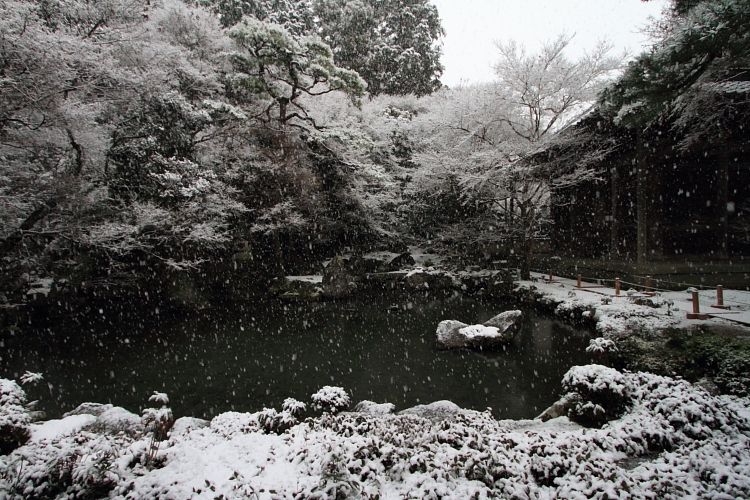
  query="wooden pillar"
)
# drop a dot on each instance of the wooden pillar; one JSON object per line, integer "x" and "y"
{"x": 722, "y": 198}
{"x": 614, "y": 236}
{"x": 642, "y": 198}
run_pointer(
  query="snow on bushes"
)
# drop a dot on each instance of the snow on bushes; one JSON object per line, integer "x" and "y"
{"x": 601, "y": 345}
{"x": 331, "y": 399}
{"x": 673, "y": 441}
{"x": 599, "y": 394}
{"x": 293, "y": 406}
{"x": 14, "y": 417}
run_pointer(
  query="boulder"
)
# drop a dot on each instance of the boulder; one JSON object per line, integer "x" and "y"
{"x": 336, "y": 281}
{"x": 709, "y": 386}
{"x": 372, "y": 408}
{"x": 417, "y": 280}
{"x": 94, "y": 409}
{"x": 399, "y": 262}
{"x": 116, "y": 420}
{"x": 560, "y": 408}
{"x": 497, "y": 331}
{"x": 448, "y": 335}
{"x": 183, "y": 425}
{"x": 435, "y": 412}
{"x": 360, "y": 266}
{"x": 508, "y": 324}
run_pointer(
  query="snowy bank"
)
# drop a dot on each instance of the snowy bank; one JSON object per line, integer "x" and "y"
{"x": 673, "y": 440}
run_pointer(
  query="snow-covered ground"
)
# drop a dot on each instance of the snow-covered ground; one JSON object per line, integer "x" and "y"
{"x": 673, "y": 441}
{"x": 619, "y": 315}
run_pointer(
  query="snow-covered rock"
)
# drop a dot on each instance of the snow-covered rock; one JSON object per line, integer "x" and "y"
{"x": 57, "y": 428}
{"x": 336, "y": 281}
{"x": 498, "y": 330}
{"x": 116, "y": 420}
{"x": 94, "y": 409}
{"x": 435, "y": 412}
{"x": 448, "y": 335}
{"x": 372, "y": 408}
{"x": 184, "y": 425}
{"x": 508, "y": 323}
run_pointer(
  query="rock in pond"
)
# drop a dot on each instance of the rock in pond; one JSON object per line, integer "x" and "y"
{"x": 336, "y": 281}
{"x": 498, "y": 330}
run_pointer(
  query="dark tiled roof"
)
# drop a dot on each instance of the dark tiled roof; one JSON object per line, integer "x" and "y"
{"x": 732, "y": 87}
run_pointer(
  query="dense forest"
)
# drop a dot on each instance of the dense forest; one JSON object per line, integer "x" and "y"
{"x": 224, "y": 142}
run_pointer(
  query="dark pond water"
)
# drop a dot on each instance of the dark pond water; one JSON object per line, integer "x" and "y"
{"x": 260, "y": 353}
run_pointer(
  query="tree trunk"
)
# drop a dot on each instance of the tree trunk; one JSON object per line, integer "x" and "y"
{"x": 15, "y": 238}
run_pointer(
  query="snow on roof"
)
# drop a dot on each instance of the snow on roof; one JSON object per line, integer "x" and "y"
{"x": 307, "y": 279}
{"x": 739, "y": 87}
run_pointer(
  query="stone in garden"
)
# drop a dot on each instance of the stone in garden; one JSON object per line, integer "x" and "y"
{"x": 335, "y": 278}
{"x": 401, "y": 261}
{"x": 372, "y": 408}
{"x": 508, "y": 324}
{"x": 116, "y": 420}
{"x": 435, "y": 412}
{"x": 497, "y": 331}
{"x": 94, "y": 409}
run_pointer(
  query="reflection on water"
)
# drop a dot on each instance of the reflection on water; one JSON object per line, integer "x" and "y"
{"x": 256, "y": 355}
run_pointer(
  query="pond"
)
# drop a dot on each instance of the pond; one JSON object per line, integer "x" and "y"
{"x": 255, "y": 355}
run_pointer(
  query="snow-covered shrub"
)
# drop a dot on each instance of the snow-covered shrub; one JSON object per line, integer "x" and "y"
{"x": 293, "y": 406}
{"x": 600, "y": 345}
{"x": 31, "y": 377}
{"x": 14, "y": 417}
{"x": 602, "y": 392}
{"x": 84, "y": 465}
{"x": 272, "y": 421}
{"x": 157, "y": 422}
{"x": 576, "y": 311}
{"x": 331, "y": 399}
{"x": 734, "y": 375}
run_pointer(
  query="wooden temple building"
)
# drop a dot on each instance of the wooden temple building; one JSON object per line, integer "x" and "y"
{"x": 654, "y": 201}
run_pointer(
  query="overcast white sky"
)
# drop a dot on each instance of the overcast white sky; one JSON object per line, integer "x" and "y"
{"x": 471, "y": 26}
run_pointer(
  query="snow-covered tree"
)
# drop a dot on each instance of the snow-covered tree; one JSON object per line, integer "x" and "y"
{"x": 392, "y": 44}
{"x": 274, "y": 66}
{"x": 535, "y": 97}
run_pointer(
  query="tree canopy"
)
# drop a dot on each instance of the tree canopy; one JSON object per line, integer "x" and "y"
{"x": 392, "y": 44}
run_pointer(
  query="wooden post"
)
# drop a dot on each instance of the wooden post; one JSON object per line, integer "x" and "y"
{"x": 720, "y": 298}
{"x": 617, "y": 286}
{"x": 579, "y": 282}
{"x": 696, "y": 308}
{"x": 550, "y": 275}
{"x": 648, "y": 284}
